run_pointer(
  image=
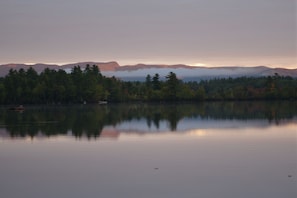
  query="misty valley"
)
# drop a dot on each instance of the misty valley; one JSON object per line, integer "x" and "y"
{"x": 88, "y": 85}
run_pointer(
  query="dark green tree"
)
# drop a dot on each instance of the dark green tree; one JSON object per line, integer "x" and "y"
{"x": 171, "y": 86}
{"x": 156, "y": 82}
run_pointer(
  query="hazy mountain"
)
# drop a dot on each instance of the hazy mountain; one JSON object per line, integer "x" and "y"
{"x": 188, "y": 73}
{"x": 107, "y": 66}
{"x": 104, "y": 66}
{"x": 140, "y": 71}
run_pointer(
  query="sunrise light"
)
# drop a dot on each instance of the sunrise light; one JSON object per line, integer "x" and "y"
{"x": 199, "y": 65}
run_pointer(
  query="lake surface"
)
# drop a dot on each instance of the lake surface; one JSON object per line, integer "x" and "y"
{"x": 207, "y": 150}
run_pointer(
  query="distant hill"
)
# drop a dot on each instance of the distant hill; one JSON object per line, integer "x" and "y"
{"x": 140, "y": 71}
{"x": 106, "y": 66}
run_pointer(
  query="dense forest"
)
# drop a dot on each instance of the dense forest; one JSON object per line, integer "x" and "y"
{"x": 90, "y": 86}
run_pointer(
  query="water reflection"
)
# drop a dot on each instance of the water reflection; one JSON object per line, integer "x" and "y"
{"x": 96, "y": 121}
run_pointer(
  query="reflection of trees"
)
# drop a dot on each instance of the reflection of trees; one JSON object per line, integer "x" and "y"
{"x": 156, "y": 120}
{"x": 272, "y": 111}
{"x": 81, "y": 121}
{"x": 90, "y": 120}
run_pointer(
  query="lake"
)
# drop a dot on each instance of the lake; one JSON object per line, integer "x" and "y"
{"x": 207, "y": 150}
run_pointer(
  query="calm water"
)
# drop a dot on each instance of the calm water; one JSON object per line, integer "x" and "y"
{"x": 207, "y": 150}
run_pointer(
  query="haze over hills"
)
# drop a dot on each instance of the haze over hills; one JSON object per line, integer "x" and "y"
{"x": 140, "y": 71}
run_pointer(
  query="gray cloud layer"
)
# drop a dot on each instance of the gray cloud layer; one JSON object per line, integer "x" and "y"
{"x": 217, "y": 32}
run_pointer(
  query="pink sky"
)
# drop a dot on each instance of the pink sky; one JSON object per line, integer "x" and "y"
{"x": 194, "y": 32}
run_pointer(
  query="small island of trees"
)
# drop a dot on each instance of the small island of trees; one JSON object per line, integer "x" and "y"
{"x": 89, "y": 85}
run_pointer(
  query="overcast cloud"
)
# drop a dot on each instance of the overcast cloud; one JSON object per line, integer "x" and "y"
{"x": 211, "y": 32}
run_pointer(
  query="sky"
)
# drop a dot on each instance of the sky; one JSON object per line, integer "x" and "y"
{"x": 193, "y": 32}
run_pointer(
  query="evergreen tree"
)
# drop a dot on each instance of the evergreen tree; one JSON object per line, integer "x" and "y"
{"x": 156, "y": 82}
{"x": 171, "y": 86}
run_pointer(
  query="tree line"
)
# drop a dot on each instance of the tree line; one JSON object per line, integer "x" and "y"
{"x": 90, "y": 86}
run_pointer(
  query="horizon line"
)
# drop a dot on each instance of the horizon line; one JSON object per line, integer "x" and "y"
{"x": 200, "y": 65}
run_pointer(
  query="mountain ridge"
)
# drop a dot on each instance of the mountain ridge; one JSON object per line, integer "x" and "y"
{"x": 140, "y": 71}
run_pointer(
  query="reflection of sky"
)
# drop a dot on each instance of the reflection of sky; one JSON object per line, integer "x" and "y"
{"x": 227, "y": 163}
{"x": 185, "y": 126}
{"x": 142, "y": 126}
{"x": 189, "y": 124}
